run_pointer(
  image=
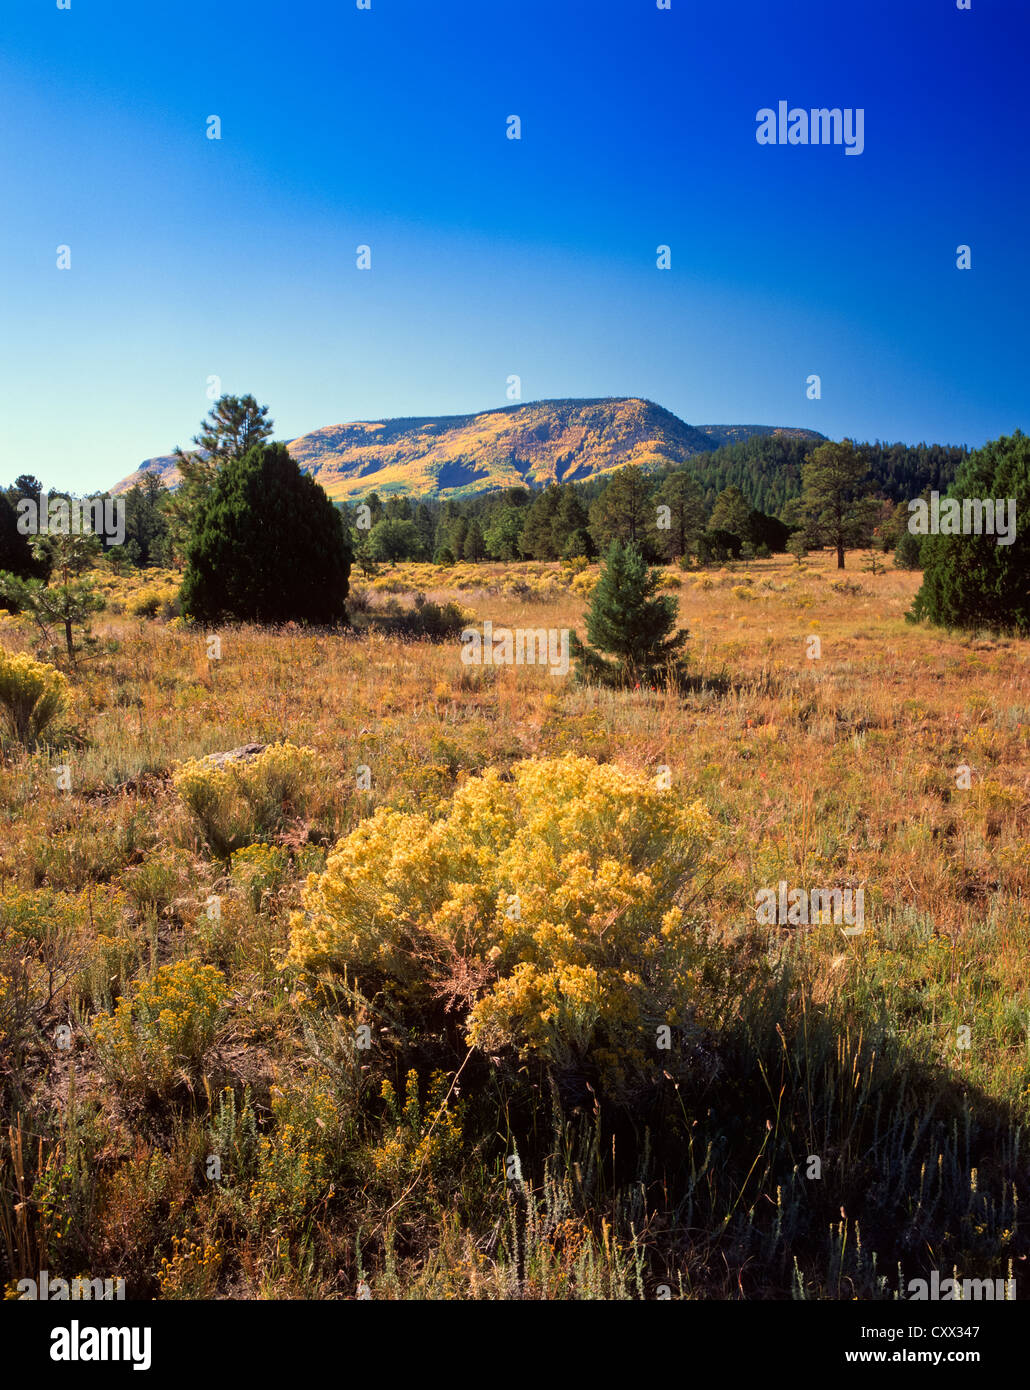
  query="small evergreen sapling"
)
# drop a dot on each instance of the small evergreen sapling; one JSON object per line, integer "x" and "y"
{"x": 630, "y": 622}
{"x": 70, "y": 598}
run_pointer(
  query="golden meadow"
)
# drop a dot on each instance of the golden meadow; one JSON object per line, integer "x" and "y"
{"x": 284, "y": 1030}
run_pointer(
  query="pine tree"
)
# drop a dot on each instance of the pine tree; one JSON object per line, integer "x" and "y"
{"x": 68, "y": 599}
{"x": 146, "y": 525}
{"x": 473, "y": 548}
{"x": 456, "y": 536}
{"x": 731, "y": 513}
{"x": 834, "y": 495}
{"x": 425, "y": 522}
{"x": 268, "y": 546}
{"x": 625, "y": 512}
{"x": 630, "y": 622}
{"x": 970, "y": 581}
{"x": 681, "y": 493}
{"x": 570, "y": 529}
{"x": 537, "y": 541}
{"x": 233, "y": 425}
{"x": 25, "y": 487}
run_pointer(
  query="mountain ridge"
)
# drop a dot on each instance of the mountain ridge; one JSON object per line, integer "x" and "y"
{"x": 523, "y": 444}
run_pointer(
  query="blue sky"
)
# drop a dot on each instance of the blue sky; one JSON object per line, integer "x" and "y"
{"x": 491, "y": 257}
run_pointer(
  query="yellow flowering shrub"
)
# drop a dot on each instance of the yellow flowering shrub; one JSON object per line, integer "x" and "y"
{"x": 8, "y": 1006}
{"x": 534, "y": 588}
{"x": 989, "y": 795}
{"x": 547, "y": 903}
{"x": 422, "y": 1141}
{"x": 192, "y": 1272}
{"x": 110, "y": 960}
{"x": 237, "y": 802}
{"x": 90, "y": 928}
{"x": 259, "y": 869}
{"x": 44, "y": 917}
{"x": 294, "y": 1162}
{"x": 164, "y": 1027}
{"x": 32, "y": 695}
{"x": 155, "y": 599}
{"x": 466, "y": 577}
{"x": 143, "y": 593}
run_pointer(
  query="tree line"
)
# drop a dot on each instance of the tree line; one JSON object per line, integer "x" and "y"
{"x": 734, "y": 501}
{"x": 254, "y": 536}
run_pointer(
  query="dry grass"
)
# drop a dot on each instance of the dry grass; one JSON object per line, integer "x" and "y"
{"x": 838, "y": 771}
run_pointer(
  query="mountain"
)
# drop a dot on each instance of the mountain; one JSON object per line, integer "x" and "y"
{"x": 532, "y": 444}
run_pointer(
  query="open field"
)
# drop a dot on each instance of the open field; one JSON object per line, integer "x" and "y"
{"x": 838, "y": 771}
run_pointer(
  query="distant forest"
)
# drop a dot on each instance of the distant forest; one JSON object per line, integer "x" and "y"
{"x": 538, "y": 524}
{"x": 758, "y": 482}
{"x": 767, "y": 469}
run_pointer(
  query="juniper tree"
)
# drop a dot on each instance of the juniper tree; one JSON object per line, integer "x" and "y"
{"x": 908, "y": 551}
{"x": 630, "y": 627}
{"x": 268, "y": 546}
{"x": 718, "y": 547}
{"x": 972, "y": 581}
{"x": 15, "y": 553}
